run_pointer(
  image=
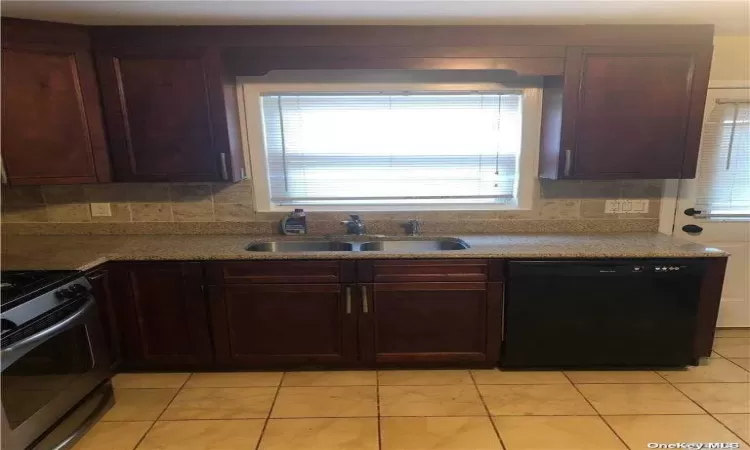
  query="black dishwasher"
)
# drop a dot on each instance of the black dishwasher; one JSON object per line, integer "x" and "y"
{"x": 589, "y": 313}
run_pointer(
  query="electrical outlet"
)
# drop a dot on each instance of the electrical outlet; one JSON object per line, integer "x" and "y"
{"x": 101, "y": 210}
{"x": 626, "y": 206}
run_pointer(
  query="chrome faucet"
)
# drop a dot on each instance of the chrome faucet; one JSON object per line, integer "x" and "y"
{"x": 354, "y": 225}
{"x": 412, "y": 227}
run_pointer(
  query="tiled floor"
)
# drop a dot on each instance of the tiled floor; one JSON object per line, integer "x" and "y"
{"x": 435, "y": 409}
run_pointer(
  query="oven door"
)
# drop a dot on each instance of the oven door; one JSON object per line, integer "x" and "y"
{"x": 47, "y": 373}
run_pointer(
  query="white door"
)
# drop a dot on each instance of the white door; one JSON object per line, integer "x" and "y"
{"x": 721, "y": 195}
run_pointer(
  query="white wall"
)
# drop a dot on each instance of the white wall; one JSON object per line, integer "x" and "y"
{"x": 731, "y": 62}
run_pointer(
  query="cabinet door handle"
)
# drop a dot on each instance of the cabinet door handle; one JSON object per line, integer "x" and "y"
{"x": 3, "y": 175}
{"x": 568, "y": 161}
{"x": 365, "y": 305}
{"x": 224, "y": 170}
{"x": 348, "y": 300}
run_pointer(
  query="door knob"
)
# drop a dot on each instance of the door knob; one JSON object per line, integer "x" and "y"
{"x": 692, "y": 212}
{"x": 692, "y": 229}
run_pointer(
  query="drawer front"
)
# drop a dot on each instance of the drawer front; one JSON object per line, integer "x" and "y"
{"x": 270, "y": 272}
{"x": 423, "y": 270}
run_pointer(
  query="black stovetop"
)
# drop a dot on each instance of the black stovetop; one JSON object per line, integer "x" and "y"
{"x": 19, "y": 283}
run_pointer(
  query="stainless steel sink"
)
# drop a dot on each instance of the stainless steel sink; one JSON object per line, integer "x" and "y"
{"x": 398, "y": 245}
{"x": 415, "y": 245}
{"x": 300, "y": 246}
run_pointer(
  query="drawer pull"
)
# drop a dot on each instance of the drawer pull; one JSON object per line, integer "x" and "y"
{"x": 365, "y": 305}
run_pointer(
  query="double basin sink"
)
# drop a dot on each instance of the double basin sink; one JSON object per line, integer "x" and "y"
{"x": 387, "y": 245}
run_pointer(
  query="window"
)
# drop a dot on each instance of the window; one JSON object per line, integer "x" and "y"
{"x": 723, "y": 181}
{"x": 389, "y": 148}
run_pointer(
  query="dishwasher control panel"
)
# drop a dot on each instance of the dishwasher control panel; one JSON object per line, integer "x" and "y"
{"x": 658, "y": 268}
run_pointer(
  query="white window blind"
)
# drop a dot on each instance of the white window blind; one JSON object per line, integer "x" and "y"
{"x": 723, "y": 180}
{"x": 392, "y": 148}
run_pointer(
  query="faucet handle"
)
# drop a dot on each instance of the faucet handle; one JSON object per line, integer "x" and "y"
{"x": 354, "y": 225}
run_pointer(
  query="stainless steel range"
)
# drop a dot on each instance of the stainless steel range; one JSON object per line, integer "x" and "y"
{"x": 54, "y": 360}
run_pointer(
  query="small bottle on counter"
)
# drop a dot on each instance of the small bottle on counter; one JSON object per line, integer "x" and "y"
{"x": 294, "y": 224}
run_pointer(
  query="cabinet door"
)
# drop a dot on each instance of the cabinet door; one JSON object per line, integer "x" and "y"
{"x": 51, "y": 120}
{"x": 165, "y": 115}
{"x": 431, "y": 323}
{"x": 163, "y": 314}
{"x": 270, "y": 324}
{"x": 638, "y": 112}
{"x": 99, "y": 279}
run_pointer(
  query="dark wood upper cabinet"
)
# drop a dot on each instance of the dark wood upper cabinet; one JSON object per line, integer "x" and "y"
{"x": 162, "y": 314}
{"x": 51, "y": 118}
{"x": 625, "y": 113}
{"x": 258, "y": 325}
{"x": 171, "y": 115}
{"x": 169, "y": 94}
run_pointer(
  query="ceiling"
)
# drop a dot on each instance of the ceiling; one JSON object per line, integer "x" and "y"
{"x": 729, "y": 16}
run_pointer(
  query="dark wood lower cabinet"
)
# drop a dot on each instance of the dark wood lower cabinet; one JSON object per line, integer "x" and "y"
{"x": 708, "y": 307}
{"x": 160, "y": 318}
{"x": 100, "y": 284}
{"x": 431, "y": 323}
{"x": 276, "y": 324}
{"x": 162, "y": 314}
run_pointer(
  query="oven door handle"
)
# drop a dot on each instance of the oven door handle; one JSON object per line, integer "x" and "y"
{"x": 54, "y": 329}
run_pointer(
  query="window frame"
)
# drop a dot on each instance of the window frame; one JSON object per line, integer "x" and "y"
{"x": 692, "y": 187}
{"x": 253, "y": 137}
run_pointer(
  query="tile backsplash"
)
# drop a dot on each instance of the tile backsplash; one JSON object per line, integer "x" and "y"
{"x": 564, "y": 205}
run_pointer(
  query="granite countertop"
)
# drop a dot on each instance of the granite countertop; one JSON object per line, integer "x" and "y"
{"x": 86, "y": 251}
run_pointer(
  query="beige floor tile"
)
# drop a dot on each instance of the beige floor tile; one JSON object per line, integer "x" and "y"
{"x": 443, "y": 433}
{"x": 738, "y": 423}
{"x": 423, "y": 377}
{"x": 518, "y": 377}
{"x": 639, "y": 431}
{"x": 556, "y": 433}
{"x": 614, "y": 376}
{"x": 638, "y": 399}
{"x": 139, "y": 404}
{"x": 729, "y": 398}
{"x": 454, "y": 400}
{"x": 331, "y": 378}
{"x": 338, "y": 401}
{"x": 540, "y": 400}
{"x": 321, "y": 434}
{"x": 742, "y": 362}
{"x": 221, "y": 403}
{"x": 113, "y": 436}
{"x": 234, "y": 379}
{"x": 732, "y": 333}
{"x": 203, "y": 435}
{"x": 732, "y": 347}
{"x": 716, "y": 370}
{"x": 149, "y": 380}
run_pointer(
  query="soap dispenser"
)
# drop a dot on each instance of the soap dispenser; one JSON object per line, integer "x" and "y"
{"x": 294, "y": 224}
